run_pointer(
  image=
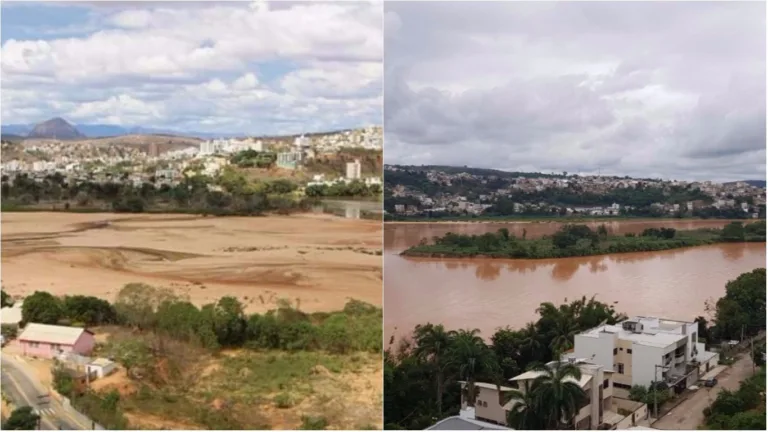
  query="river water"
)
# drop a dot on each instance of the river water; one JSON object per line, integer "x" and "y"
{"x": 492, "y": 293}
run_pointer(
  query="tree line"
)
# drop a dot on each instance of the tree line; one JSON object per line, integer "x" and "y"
{"x": 422, "y": 374}
{"x": 581, "y": 240}
{"x": 355, "y": 188}
{"x": 216, "y": 325}
{"x": 229, "y": 194}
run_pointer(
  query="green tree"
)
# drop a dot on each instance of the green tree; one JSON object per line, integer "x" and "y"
{"x": 558, "y": 397}
{"x": 743, "y": 306}
{"x": 42, "y": 308}
{"x": 6, "y": 299}
{"x": 734, "y": 231}
{"x": 524, "y": 411}
{"x": 22, "y": 418}
{"x": 472, "y": 357}
{"x": 432, "y": 343}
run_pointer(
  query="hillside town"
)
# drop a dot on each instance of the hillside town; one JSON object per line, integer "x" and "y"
{"x": 150, "y": 163}
{"x": 425, "y": 192}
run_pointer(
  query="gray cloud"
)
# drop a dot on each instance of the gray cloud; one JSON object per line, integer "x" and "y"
{"x": 674, "y": 90}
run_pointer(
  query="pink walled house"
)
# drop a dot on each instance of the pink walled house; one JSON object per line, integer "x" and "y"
{"x": 49, "y": 341}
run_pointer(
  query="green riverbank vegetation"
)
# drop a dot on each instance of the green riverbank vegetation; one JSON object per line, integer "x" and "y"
{"x": 573, "y": 240}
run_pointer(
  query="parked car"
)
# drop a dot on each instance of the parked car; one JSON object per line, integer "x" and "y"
{"x": 710, "y": 382}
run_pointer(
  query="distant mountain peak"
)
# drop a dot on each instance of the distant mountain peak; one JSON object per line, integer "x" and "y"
{"x": 56, "y": 128}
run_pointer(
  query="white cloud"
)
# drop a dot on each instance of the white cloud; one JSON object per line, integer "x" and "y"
{"x": 304, "y": 64}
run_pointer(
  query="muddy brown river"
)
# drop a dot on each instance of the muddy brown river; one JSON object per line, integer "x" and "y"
{"x": 492, "y": 293}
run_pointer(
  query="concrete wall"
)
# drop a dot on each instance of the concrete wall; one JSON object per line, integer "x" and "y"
{"x": 644, "y": 358}
{"x": 639, "y": 411}
{"x": 84, "y": 344}
{"x": 597, "y": 350}
{"x": 487, "y": 406}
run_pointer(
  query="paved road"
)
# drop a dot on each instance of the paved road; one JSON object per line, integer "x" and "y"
{"x": 689, "y": 414}
{"x": 25, "y": 390}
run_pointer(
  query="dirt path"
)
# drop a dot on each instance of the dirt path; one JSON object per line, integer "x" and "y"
{"x": 689, "y": 414}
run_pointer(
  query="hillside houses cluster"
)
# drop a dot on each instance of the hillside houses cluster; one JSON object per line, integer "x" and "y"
{"x": 721, "y": 196}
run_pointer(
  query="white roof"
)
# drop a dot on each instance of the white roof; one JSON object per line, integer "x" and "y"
{"x": 101, "y": 362}
{"x": 61, "y": 335}
{"x": 657, "y": 332}
{"x": 11, "y": 314}
{"x": 488, "y": 386}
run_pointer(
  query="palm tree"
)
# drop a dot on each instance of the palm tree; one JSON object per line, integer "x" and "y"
{"x": 558, "y": 396}
{"x": 523, "y": 414}
{"x": 432, "y": 342}
{"x": 531, "y": 340}
{"x": 472, "y": 356}
{"x": 562, "y": 335}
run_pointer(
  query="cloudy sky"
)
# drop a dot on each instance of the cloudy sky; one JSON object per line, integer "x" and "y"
{"x": 246, "y": 67}
{"x": 672, "y": 90}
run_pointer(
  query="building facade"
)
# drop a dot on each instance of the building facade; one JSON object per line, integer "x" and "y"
{"x": 49, "y": 341}
{"x": 643, "y": 350}
{"x": 353, "y": 170}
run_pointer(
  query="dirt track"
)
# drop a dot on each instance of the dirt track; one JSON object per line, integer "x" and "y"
{"x": 320, "y": 260}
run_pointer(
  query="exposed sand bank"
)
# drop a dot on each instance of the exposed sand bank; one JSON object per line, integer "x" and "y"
{"x": 320, "y": 260}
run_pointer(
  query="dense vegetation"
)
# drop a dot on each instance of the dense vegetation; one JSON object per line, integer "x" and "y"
{"x": 222, "y": 324}
{"x": 167, "y": 333}
{"x": 743, "y": 409}
{"x": 421, "y": 376}
{"x": 252, "y": 158}
{"x": 228, "y": 194}
{"x": 22, "y": 418}
{"x": 354, "y": 189}
{"x": 580, "y": 240}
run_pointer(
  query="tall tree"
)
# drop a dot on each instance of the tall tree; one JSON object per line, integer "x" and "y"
{"x": 523, "y": 413}
{"x": 42, "y": 308}
{"x": 473, "y": 357}
{"x": 432, "y": 342}
{"x": 558, "y": 396}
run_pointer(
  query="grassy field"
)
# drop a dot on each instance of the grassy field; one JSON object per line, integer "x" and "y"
{"x": 170, "y": 385}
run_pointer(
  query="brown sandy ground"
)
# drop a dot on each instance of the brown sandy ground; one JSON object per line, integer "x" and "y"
{"x": 316, "y": 261}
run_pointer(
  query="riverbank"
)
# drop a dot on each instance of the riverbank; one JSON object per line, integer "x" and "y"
{"x": 579, "y": 241}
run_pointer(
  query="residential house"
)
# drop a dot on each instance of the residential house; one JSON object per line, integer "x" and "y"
{"x": 643, "y": 350}
{"x": 601, "y": 410}
{"x": 49, "y": 341}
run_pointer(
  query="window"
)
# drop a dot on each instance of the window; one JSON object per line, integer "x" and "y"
{"x": 621, "y": 368}
{"x": 606, "y": 384}
{"x": 615, "y": 351}
{"x": 621, "y": 349}
{"x": 629, "y": 350}
{"x": 622, "y": 386}
{"x": 485, "y": 404}
{"x": 34, "y": 344}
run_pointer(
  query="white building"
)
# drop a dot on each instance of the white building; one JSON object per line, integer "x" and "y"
{"x": 353, "y": 170}
{"x": 642, "y": 350}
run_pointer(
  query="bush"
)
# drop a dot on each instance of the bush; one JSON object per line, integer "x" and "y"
{"x": 313, "y": 423}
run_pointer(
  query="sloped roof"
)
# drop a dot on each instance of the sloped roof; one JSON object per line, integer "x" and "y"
{"x": 53, "y": 334}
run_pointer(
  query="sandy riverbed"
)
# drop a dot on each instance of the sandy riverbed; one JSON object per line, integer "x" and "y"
{"x": 317, "y": 259}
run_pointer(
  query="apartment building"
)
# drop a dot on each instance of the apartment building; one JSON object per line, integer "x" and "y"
{"x": 354, "y": 170}
{"x": 643, "y": 350}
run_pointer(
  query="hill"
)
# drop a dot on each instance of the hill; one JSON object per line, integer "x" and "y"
{"x": 56, "y": 128}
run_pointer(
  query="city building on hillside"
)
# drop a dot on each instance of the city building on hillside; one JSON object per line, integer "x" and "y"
{"x": 353, "y": 170}
{"x": 289, "y": 160}
{"x": 49, "y": 341}
{"x": 643, "y": 350}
